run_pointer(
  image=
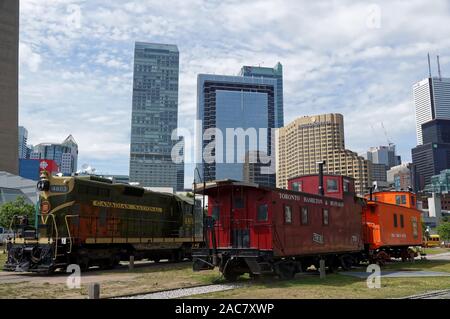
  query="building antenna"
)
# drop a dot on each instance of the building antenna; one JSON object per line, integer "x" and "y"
{"x": 429, "y": 65}
{"x": 439, "y": 68}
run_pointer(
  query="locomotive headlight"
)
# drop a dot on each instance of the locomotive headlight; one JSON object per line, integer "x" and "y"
{"x": 43, "y": 185}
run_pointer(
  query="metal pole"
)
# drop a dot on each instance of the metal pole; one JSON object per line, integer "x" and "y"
{"x": 322, "y": 268}
{"x": 94, "y": 291}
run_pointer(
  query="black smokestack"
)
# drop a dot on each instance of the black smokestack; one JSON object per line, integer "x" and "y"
{"x": 321, "y": 189}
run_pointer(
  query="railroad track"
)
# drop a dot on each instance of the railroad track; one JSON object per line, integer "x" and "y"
{"x": 440, "y": 294}
{"x": 182, "y": 292}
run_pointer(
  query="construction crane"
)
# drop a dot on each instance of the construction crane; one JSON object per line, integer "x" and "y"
{"x": 385, "y": 134}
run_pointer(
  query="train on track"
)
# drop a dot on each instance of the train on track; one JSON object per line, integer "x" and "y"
{"x": 90, "y": 221}
{"x": 259, "y": 230}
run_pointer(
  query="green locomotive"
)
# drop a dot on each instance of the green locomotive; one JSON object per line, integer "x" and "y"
{"x": 90, "y": 221}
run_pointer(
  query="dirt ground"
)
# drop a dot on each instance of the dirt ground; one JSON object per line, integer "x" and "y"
{"x": 146, "y": 277}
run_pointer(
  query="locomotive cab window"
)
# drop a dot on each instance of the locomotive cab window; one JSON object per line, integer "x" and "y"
{"x": 262, "y": 213}
{"x": 304, "y": 217}
{"x": 325, "y": 216}
{"x": 287, "y": 214}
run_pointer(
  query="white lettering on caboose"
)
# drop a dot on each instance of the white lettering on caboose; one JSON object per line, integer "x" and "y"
{"x": 290, "y": 196}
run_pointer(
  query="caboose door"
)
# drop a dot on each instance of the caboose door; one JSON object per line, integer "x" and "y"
{"x": 240, "y": 233}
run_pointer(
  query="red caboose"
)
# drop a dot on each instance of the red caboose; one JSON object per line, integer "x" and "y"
{"x": 260, "y": 230}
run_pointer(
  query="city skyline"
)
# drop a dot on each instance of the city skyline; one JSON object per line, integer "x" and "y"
{"x": 76, "y": 65}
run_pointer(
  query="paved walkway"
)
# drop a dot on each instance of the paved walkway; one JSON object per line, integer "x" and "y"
{"x": 398, "y": 274}
{"x": 444, "y": 256}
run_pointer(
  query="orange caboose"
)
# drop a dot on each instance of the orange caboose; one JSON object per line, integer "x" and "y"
{"x": 391, "y": 225}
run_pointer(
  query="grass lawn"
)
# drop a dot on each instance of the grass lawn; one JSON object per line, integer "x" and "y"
{"x": 338, "y": 286}
{"x": 2, "y": 258}
{"x": 112, "y": 283}
{"x": 435, "y": 251}
{"x": 159, "y": 277}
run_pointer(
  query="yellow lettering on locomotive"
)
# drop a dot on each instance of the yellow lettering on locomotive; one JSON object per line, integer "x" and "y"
{"x": 100, "y": 203}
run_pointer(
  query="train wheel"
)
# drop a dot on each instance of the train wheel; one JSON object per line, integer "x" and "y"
{"x": 286, "y": 271}
{"x": 230, "y": 275}
{"x": 346, "y": 262}
{"x": 83, "y": 262}
{"x": 156, "y": 260}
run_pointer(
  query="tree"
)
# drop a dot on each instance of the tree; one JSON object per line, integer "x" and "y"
{"x": 444, "y": 231}
{"x": 18, "y": 207}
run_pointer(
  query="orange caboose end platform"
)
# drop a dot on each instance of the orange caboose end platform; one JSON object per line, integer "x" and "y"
{"x": 392, "y": 224}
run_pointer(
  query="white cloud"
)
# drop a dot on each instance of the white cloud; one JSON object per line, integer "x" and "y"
{"x": 332, "y": 62}
{"x": 29, "y": 58}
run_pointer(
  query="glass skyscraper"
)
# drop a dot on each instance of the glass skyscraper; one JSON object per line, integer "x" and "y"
{"x": 271, "y": 73}
{"x": 432, "y": 102}
{"x": 154, "y": 115}
{"x": 234, "y": 102}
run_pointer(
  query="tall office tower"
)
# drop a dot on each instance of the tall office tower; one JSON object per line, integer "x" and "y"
{"x": 384, "y": 155}
{"x": 433, "y": 156}
{"x": 310, "y": 139}
{"x": 271, "y": 73}
{"x": 233, "y": 104}
{"x": 432, "y": 101}
{"x": 154, "y": 114}
{"x": 64, "y": 154}
{"x": 23, "y": 137}
{"x": 9, "y": 82}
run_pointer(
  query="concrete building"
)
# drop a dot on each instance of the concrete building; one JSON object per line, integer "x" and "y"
{"x": 433, "y": 155}
{"x": 271, "y": 73}
{"x": 9, "y": 82}
{"x": 154, "y": 114}
{"x": 432, "y": 101}
{"x": 65, "y": 154}
{"x": 401, "y": 177}
{"x": 310, "y": 139}
{"x": 378, "y": 172}
{"x": 241, "y": 112}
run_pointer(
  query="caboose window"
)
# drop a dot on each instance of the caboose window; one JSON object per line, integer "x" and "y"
{"x": 262, "y": 213}
{"x": 395, "y": 220}
{"x": 287, "y": 214}
{"x": 346, "y": 186}
{"x": 325, "y": 216}
{"x": 216, "y": 212}
{"x": 238, "y": 202}
{"x": 402, "y": 224}
{"x": 403, "y": 198}
{"x": 332, "y": 185}
{"x": 297, "y": 186}
{"x": 304, "y": 219}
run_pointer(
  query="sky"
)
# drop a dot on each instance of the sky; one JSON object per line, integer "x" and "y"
{"x": 356, "y": 58}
